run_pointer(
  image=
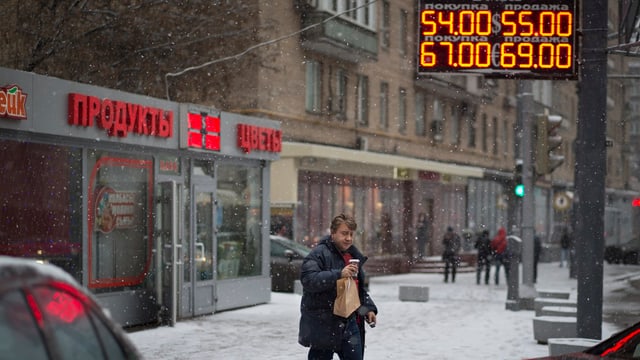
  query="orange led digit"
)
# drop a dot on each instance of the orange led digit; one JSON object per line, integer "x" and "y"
{"x": 564, "y": 23}
{"x": 509, "y": 26}
{"x": 427, "y": 58}
{"x": 449, "y": 52}
{"x": 564, "y": 56}
{"x": 466, "y": 54}
{"x": 507, "y": 58}
{"x": 483, "y": 22}
{"x": 524, "y": 20}
{"x": 546, "y": 55}
{"x": 429, "y": 27}
{"x": 467, "y": 23}
{"x": 483, "y": 55}
{"x": 446, "y": 18}
{"x": 510, "y": 38}
{"x": 547, "y": 23}
{"x": 525, "y": 53}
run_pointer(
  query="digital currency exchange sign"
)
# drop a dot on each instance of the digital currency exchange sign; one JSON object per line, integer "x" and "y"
{"x": 509, "y": 38}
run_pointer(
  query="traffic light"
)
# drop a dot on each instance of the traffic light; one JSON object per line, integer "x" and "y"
{"x": 519, "y": 190}
{"x": 518, "y": 186}
{"x": 546, "y": 142}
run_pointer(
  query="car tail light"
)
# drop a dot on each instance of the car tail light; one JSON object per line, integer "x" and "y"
{"x": 620, "y": 343}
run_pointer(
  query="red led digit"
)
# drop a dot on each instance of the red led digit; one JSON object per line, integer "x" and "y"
{"x": 446, "y": 20}
{"x": 508, "y": 23}
{"x": 524, "y": 20}
{"x": 429, "y": 27}
{"x": 427, "y": 58}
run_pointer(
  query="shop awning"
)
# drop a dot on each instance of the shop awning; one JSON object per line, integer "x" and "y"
{"x": 299, "y": 150}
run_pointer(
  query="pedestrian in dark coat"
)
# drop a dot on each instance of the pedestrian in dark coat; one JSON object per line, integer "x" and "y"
{"x": 320, "y": 330}
{"x": 451, "y": 242}
{"x": 483, "y": 245}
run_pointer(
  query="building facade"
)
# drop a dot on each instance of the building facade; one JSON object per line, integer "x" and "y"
{"x": 153, "y": 205}
{"x": 363, "y": 132}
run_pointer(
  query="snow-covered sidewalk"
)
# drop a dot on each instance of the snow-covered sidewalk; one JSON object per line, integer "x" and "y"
{"x": 461, "y": 320}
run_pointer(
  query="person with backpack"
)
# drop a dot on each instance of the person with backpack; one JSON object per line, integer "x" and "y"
{"x": 451, "y": 243}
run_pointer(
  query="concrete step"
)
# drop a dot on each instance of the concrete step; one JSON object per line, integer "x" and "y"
{"x": 431, "y": 266}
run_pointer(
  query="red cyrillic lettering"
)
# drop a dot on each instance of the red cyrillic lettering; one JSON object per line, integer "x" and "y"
{"x": 119, "y": 127}
{"x": 243, "y": 138}
{"x": 77, "y": 109}
{"x": 106, "y": 115}
{"x": 166, "y": 124}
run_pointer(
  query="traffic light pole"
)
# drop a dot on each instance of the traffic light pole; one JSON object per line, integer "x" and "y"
{"x": 527, "y": 291}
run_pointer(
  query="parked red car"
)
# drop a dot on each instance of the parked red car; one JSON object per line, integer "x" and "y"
{"x": 46, "y": 314}
{"x": 623, "y": 345}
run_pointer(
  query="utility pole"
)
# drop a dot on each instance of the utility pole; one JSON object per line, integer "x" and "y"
{"x": 590, "y": 169}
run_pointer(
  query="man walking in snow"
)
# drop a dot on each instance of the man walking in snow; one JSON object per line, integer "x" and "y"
{"x": 320, "y": 330}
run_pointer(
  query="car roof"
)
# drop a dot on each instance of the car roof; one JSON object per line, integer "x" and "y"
{"x": 14, "y": 269}
{"x": 288, "y": 242}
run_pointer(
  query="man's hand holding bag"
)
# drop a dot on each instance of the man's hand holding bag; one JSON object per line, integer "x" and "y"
{"x": 347, "y": 300}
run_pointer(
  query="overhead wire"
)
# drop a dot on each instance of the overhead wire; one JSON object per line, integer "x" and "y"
{"x": 257, "y": 46}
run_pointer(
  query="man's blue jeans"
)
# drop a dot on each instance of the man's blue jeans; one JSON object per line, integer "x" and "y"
{"x": 351, "y": 345}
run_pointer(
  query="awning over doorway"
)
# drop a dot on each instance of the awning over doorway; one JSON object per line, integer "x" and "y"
{"x": 298, "y": 150}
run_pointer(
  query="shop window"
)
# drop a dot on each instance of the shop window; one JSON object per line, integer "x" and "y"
{"x": 239, "y": 221}
{"x": 40, "y": 203}
{"x": 120, "y": 231}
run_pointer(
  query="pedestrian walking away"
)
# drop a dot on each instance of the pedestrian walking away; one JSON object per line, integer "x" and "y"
{"x": 483, "y": 245}
{"x": 500, "y": 253}
{"x": 320, "y": 330}
{"x": 565, "y": 244}
{"x": 422, "y": 228}
{"x": 451, "y": 243}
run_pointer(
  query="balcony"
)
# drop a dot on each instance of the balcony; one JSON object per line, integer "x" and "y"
{"x": 339, "y": 38}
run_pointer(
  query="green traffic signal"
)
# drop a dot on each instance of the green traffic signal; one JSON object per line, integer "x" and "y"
{"x": 519, "y": 190}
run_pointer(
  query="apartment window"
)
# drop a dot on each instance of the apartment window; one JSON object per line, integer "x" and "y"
{"x": 402, "y": 111}
{"x": 404, "y": 31}
{"x": 352, "y": 6}
{"x": 494, "y": 145}
{"x": 386, "y": 24}
{"x": 362, "y": 108}
{"x": 334, "y": 5}
{"x": 437, "y": 120}
{"x": 454, "y": 125}
{"x": 313, "y": 91}
{"x": 421, "y": 129}
{"x": 505, "y": 139}
{"x": 340, "y": 100}
{"x": 384, "y": 105}
{"x": 484, "y": 132}
{"x": 471, "y": 129}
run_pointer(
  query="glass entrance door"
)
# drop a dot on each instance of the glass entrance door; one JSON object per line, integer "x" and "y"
{"x": 198, "y": 286}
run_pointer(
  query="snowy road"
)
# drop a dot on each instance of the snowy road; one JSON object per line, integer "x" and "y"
{"x": 460, "y": 321}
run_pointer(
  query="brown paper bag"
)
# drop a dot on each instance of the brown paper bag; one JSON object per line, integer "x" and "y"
{"x": 347, "y": 300}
